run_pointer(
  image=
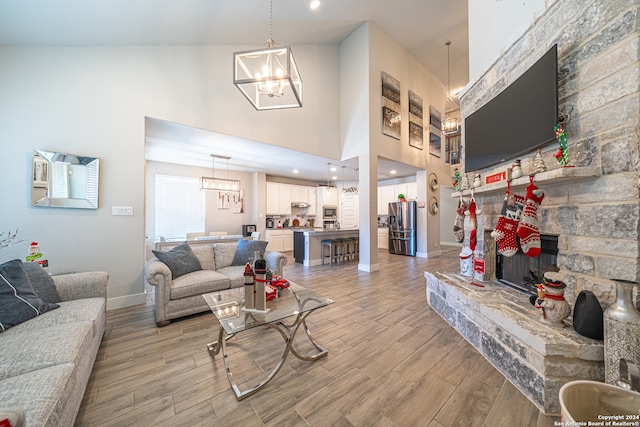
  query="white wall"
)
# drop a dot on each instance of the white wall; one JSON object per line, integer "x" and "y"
{"x": 93, "y": 101}
{"x": 495, "y": 25}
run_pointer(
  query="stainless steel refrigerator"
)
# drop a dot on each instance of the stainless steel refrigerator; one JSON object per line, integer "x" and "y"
{"x": 402, "y": 228}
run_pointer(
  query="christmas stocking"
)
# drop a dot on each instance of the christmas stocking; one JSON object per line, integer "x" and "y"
{"x": 505, "y": 231}
{"x": 529, "y": 227}
{"x": 458, "y": 225}
{"x": 473, "y": 221}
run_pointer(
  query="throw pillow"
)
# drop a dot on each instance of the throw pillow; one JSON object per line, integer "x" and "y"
{"x": 42, "y": 282}
{"x": 18, "y": 300}
{"x": 224, "y": 253}
{"x": 245, "y": 250}
{"x": 180, "y": 260}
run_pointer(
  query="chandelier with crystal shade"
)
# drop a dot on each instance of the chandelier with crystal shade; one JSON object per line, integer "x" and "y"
{"x": 450, "y": 125}
{"x": 219, "y": 184}
{"x": 268, "y": 77}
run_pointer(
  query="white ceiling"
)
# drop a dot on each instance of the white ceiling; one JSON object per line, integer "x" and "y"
{"x": 421, "y": 26}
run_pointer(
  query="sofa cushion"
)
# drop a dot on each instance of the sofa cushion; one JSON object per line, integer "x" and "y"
{"x": 86, "y": 309}
{"x": 18, "y": 300}
{"x": 224, "y": 253}
{"x": 26, "y": 350}
{"x": 42, "y": 282}
{"x": 44, "y": 394}
{"x": 235, "y": 273}
{"x": 245, "y": 250}
{"x": 205, "y": 256}
{"x": 180, "y": 260}
{"x": 198, "y": 282}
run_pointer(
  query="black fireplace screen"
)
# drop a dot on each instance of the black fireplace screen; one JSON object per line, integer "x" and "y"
{"x": 523, "y": 272}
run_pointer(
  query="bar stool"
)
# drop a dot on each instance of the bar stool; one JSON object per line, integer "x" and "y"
{"x": 341, "y": 248}
{"x": 332, "y": 250}
{"x": 350, "y": 248}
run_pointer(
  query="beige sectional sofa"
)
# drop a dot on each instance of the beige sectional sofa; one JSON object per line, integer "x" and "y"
{"x": 181, "y": 296}
{"x": 45, "y": 362}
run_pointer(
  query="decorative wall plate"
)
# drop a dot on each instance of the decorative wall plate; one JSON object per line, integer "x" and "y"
{"x": 433, "y": 182}
{"x": 433, "y": 206}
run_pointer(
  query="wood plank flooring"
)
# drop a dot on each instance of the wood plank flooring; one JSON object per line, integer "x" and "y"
{"x": 392, "y": 362}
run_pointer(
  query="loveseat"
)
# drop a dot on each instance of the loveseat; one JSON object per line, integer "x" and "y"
{"x": 191, "y": 269}
{"x": 46, "y": 361}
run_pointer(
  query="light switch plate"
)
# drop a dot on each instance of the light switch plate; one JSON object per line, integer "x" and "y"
{"x": 121, "y": 210}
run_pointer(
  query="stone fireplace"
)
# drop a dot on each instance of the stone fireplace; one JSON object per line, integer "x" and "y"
{"x": 592, "y": 207}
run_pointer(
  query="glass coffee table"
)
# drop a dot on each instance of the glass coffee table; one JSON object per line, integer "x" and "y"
{"x": 296, "y": 301}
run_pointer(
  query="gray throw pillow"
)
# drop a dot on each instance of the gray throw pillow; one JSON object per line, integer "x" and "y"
{"x": 41, "y": 282}
{"x": 245, "y": 250}
{"x": 18, "y": 300}
{"x": 180, "y": 260}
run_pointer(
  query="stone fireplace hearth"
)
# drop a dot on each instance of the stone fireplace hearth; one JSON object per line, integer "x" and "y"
{"x": 593, "y": 206}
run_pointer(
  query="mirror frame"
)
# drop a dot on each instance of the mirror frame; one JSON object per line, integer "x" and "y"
{"x": 433, "y": 206}
{"x": 42, "y": 185}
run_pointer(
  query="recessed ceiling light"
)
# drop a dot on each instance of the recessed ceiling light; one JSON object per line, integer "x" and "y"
{"x": 334, "y": 177}
{"x": 393, "y": 172}
{"x": 296, "y": 171}
{"x": 333, "y": 169}
{"x": 315, "y": 4}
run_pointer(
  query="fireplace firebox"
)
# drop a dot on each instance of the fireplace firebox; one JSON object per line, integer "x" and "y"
{"x": 522, "y": 272}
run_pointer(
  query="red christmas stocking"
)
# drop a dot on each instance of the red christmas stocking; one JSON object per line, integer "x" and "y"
{"x": 458, "y": 225}
{"x": 473, "y": 222}
{"x": 529, "y": 227}
{"x": 505, "y": 231}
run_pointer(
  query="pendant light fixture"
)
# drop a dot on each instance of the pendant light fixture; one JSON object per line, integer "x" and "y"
{"x": 219, "y": 184}
{"x": 269, "y": 77}
{"x": 450, "y": 125}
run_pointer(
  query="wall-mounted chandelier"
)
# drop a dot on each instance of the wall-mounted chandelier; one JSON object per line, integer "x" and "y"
{"x": 219, "y": 184}
{"x": 268, "y": 77}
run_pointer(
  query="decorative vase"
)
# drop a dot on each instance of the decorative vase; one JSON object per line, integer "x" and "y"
{"x": 621, "y": 331}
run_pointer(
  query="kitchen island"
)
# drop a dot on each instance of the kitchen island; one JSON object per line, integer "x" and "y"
{"x": 307, "y": 244}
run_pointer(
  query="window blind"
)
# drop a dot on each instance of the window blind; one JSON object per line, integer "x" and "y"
{"x": 179, "y": 206}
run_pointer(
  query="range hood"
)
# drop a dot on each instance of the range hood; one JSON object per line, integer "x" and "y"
{"x": 300, "y": 204}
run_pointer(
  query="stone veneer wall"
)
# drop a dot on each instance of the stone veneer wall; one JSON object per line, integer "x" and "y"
{"x": 597, "y": 218}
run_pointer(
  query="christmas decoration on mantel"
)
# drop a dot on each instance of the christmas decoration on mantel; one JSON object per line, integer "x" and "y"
{"x": 561, "y": 155}
{"x": 537, "y": 165}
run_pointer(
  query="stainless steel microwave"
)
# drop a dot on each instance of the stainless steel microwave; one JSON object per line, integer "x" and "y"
{"x": 329, "y": 212}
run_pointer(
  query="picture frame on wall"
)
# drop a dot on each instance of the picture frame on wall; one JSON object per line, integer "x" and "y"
{"x": 435, "y": 132}
{"x": 416, "y": 128}
{"x": 391, "y": 118}
{"x": 40, "y": 171}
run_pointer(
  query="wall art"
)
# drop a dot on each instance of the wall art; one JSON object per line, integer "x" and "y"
{"x": 391, "y": 118}
{"x": 435, "y": 131}
{"x": 416, "y": 128}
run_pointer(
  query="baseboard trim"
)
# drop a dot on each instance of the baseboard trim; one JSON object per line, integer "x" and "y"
{"x": 126, "y": 301}
{"x": 368, "y": 267}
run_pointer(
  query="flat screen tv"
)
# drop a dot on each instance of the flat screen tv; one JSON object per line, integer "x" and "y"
{"x": 518, "y": 120}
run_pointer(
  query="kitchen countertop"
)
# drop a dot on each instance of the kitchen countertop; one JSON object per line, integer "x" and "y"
{"x": 326, "y": 231}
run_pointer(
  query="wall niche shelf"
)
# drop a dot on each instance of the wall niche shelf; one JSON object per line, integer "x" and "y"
{"x": 550, "y": 177}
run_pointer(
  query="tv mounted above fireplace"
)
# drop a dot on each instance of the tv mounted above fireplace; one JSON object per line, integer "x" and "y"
{"x": 518, "y": 120}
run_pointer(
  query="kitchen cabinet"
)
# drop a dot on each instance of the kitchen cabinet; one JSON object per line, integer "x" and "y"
{"x": 349, "y": 211}
{"x": 327, "y": 196}
{"x": 387, "y": 195}
{"x": 285, "y": 199}
{"x": 278, "y": 199}
{"x": 312, "y": 210}
{"x": 299, "y": 194}
{"x": 280, "y": 240}
{"x": 412, "y": 191}
{"x": 287, "y": 240}
{"x": 399, "y": 189}
{"x": 383, "y": 238}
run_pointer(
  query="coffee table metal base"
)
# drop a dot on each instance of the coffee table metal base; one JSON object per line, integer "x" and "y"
{"x": 288, "y": 333}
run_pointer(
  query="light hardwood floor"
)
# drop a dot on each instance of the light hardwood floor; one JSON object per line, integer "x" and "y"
{"x": 392, "y": 362}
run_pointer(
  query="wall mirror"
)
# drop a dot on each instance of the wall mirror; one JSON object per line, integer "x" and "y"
{"x": 62, "y": 180}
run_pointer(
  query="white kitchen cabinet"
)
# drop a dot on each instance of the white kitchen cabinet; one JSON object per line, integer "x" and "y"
{"x": 275, "y": 239}
{"x": 278, "y": 199}
{"x": 273, "y": 198}
{"x": 287, "y": 240}
{"x": 383, "y": 238}
{"x": 312, "y": 210}
{"x": 412, "y": 191}
{"x": 387, "y": 195}
{"x": 328, "y": 196}
{"x": 300, "y": 194}
{"x": 285, "y": 199}
{"x": 399, "y": 189}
